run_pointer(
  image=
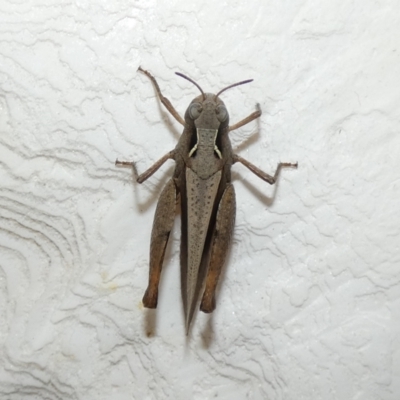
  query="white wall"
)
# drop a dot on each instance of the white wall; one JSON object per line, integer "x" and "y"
{"x": 309, "y": 305}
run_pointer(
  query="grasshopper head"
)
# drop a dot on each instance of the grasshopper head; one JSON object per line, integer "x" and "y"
{"x": 207, "y": 112}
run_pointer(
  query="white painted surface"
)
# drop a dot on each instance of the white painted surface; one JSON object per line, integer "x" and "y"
{"x": 309, "y": 305}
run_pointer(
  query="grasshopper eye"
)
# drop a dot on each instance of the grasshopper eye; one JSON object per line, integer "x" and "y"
{"x": 222, "y": 113}
{"x": 195, "y": 110}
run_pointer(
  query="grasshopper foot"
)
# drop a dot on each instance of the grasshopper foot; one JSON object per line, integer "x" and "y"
{"x": 150, "y": 298}
{"x": 207, "y": 303}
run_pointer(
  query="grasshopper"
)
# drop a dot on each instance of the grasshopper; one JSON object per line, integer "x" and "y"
{"x": 202, "y": 181}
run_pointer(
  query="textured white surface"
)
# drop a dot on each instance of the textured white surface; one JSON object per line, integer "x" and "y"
{"x": 309, "y": 305}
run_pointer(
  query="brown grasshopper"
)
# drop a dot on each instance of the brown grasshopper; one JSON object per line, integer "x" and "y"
{"x": 202, "y": 179}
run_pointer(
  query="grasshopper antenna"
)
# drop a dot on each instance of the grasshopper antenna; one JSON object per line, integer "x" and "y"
{"x": 194, "y": 83}
{"x": 231, "y": 86}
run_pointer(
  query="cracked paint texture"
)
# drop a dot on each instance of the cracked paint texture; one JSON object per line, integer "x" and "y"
{"x": 308, "y": 307}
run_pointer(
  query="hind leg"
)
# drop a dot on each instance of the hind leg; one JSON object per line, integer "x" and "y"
{"x": 162, "y": 225}
{"x": 220, "y": 245}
